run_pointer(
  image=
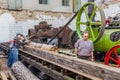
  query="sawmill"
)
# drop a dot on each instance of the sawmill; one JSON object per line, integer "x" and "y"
{"x": 49, "y": 52}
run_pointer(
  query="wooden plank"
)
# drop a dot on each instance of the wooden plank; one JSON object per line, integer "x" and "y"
{"x": 11, "y": 76}
{"x": 92, "y": 68}
{"x": 68, "y": 68}
{"x": 3, "y": 76}
{"x": 52, "y": 73}
{"x": 66, "y": 52}
{"x": 72, "y": 70}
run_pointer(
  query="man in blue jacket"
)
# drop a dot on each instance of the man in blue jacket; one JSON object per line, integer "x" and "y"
{"x": 13, "y": 53}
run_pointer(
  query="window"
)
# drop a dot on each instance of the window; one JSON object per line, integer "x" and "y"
{"x": 43, "y": 1}
{"x": 15, "y": 4}
{"x": 77, "y": 5}
{"x": 65, "y": 2}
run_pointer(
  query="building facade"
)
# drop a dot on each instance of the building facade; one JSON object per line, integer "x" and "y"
{"x": 49, "y": 5}
{"x": 17, "y": 16}
{"x": 46, "y": 5}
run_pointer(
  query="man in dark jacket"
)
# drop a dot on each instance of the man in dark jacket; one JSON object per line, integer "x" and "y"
{"x": 13, "y": 53}
{"x": 18, "y": 41}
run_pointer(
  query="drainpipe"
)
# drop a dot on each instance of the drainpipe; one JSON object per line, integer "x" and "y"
{"x": 72, "y": 6}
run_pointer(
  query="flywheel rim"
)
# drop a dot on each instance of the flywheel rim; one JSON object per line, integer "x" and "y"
{"x": 102, "y": 23}
{"x": 109, "y": 57}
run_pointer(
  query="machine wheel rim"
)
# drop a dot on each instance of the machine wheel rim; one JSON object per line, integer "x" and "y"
{"x": 109, "y": 57}
{"x": 101, "y": 23}
{"x": 72, "y": 38}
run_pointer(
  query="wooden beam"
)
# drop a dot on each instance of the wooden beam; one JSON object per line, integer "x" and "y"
{"x": 10, "y": 74}
{"x": 52, "y": 73}
{"x": 92, "y": 68}
{"x": 3, "y": 76}
{"x": 67, "y": 68}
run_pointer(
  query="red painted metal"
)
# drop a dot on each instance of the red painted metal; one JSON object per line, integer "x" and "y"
{"x": 11, "y": 40}
{"x": 109, "y": 56}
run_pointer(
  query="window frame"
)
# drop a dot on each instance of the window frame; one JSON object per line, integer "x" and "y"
{"x": 65, "y": 2}
{"x": 45, "y": 2}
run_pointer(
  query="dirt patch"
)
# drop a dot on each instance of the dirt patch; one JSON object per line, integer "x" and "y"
{"x": 3, "y": 63}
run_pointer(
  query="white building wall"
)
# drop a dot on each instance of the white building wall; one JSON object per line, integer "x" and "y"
{"x": 3, "y": 3}
{"x": 5, "y": 21}
{"x": 9, "y": 27}
{"x": 53, "y": 5}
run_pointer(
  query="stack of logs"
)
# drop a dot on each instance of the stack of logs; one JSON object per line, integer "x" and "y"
{"x": 47, "y": 47}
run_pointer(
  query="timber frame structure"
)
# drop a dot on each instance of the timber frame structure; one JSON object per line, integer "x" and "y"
{"x": 63, "y": 67}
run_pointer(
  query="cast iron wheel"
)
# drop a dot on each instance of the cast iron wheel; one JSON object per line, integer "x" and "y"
{"x": 94, "y": 26}
{"x": 114, "y": 58}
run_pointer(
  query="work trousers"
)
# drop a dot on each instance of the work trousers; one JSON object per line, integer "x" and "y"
{"x": 84, "y": 57}
{"x": 13, "y": 56}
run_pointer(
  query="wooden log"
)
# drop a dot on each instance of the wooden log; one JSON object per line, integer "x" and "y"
{"x": 38, "y": 45}
{"x": 32, "y": 44}
{"x": 22, "y": 73}
{"x": 3, "y": 76}
{"x": 49, "y": 47}
{"x": 44, "y": 46}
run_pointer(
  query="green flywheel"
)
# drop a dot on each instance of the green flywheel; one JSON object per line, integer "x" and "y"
{"x": 94, "y": 23}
